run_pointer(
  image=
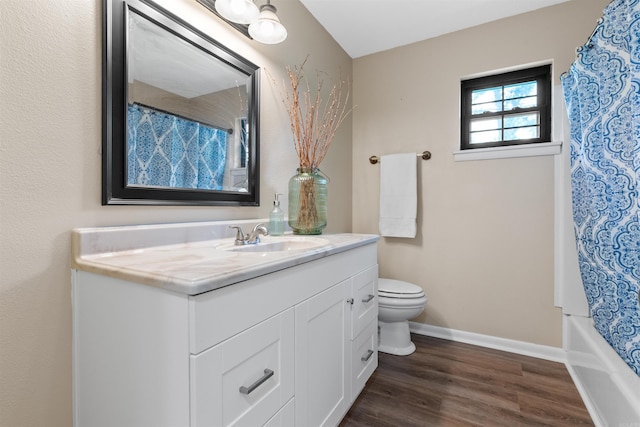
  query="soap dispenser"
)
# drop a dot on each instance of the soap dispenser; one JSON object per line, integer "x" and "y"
{"x": 276, "y": 218}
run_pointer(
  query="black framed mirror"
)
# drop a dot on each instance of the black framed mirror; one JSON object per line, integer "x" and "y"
{"x": 180, "y": 113}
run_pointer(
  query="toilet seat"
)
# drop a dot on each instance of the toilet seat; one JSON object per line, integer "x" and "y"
{"x": 397, "y": 289}
{"x": 402, "y": 303}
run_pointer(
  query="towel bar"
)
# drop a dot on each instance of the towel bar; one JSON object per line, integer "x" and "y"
{"x": 426, "y": 155}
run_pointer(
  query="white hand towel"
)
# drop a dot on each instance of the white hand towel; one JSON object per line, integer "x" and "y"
{"x": 398, "y": 195}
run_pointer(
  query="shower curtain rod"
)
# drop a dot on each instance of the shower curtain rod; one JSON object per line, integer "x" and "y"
{"x": 227, "y": 130}
{"x": 598, "y": 23}
{"x": 588, "y": 42}
{"x": 426, "y": 155}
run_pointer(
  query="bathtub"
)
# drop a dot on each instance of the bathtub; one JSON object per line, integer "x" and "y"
{"x": 609, "y": 388}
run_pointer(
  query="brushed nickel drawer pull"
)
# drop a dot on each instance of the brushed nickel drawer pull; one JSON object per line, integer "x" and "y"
{"x": 268, "y": 373}
{"x": 367, "y": 356}
{"x": 367, "y": 299}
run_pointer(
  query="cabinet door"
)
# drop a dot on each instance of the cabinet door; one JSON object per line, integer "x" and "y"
{"x": 322, "y": 367}
{"x": 246, "y": 379}
{"x": 364, "y": 292}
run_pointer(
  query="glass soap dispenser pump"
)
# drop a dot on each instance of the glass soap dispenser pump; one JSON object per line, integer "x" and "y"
{"x": 276, "y": 218}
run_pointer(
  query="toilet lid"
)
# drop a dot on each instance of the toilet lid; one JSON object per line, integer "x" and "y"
{"x": 390, "y": 288}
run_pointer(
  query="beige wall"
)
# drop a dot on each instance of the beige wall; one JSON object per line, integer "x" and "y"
{"x": 50, "y": 137}
{"x": 484, "y": 251}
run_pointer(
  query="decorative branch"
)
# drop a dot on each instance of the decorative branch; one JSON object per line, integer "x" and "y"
{"x": 314, "y": 122}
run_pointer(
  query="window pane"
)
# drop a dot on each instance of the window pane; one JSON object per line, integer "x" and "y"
{"x": 486, "y": 95}
{"x": 519, "y": 120}
{"x": 530, "y": 132}
{"x": 506, "y": 109}
{"x": 491, "y": 107}
{"x": 528, "y": 102}
{"x": 521, "y": 90}
{"x": 489, "y": 123}
{"x": 487, "y": 136}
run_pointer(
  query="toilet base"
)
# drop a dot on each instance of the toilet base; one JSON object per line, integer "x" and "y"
{"x": 395, "y": 338}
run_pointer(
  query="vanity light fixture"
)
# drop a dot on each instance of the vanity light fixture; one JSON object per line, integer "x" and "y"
{"x": 261, "y": 24}
{"x": 238, "y": 11}
{"x": 267, "y": 28}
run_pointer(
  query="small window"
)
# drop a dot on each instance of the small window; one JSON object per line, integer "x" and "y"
{"x": 506, "y": 109}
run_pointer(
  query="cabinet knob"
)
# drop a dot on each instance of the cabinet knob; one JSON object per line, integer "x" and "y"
{"x": 350, "y": 301}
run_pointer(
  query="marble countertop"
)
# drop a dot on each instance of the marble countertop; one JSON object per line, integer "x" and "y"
{"x": 191, "y": 258}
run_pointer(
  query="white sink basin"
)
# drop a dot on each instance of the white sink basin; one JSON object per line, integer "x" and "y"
{"x": 279, "y": 244}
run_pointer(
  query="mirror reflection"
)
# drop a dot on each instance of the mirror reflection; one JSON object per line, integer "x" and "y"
{"x": 186, "y": 115}
{"x": 181, "y": 112}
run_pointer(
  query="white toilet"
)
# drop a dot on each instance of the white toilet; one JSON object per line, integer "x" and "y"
{"x": 398, "y": 302}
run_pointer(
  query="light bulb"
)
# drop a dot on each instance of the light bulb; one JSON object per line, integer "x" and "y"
{"x": 267, "y": 28}
{"x": 239, "y": 11}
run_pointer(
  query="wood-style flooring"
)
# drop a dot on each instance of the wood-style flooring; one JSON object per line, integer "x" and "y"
{"x": 446, "y": 383}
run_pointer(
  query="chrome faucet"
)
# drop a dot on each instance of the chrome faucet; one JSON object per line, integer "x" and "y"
{"x": 253, "y": 237}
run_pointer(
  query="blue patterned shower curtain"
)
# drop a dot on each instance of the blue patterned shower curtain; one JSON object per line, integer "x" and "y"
{"x": 602, "y": 94}
{"x": 168, "y": 151}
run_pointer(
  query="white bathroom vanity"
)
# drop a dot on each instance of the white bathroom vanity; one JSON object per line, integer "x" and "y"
{"x": 173, "y": 325}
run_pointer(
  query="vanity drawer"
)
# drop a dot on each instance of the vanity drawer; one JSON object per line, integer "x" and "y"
{"x": 245, "y": 380}
{"x": 364, "y": 291}
{"x": 364, "y": 357}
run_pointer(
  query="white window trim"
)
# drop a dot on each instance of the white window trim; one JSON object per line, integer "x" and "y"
{"x": 510, "y": 151}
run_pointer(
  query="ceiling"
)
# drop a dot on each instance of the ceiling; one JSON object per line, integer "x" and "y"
{"x": 363, "y": 27}
{"x": 158, "y": 58}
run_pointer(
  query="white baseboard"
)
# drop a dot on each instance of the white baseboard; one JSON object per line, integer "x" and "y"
{"x": 554, "y": 354}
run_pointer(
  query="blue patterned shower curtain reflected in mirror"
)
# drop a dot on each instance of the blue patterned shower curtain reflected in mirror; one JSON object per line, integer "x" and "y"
{"x": 165, "y": 150}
